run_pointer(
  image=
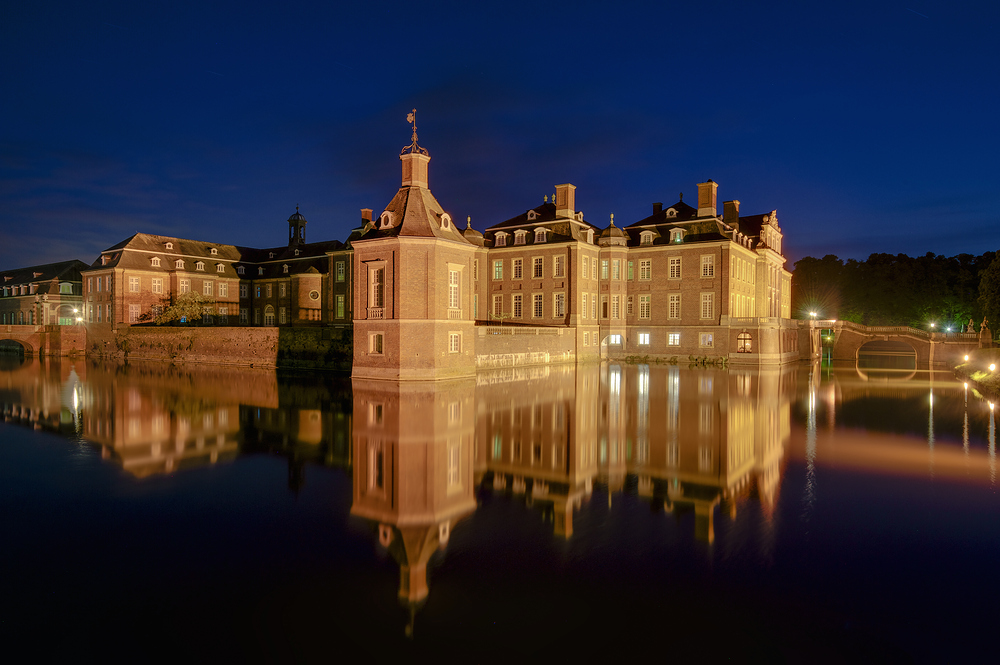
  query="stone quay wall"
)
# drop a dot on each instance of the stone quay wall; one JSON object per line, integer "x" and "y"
{"x": 512, "y": 346}
{"x": 305, "y": 348}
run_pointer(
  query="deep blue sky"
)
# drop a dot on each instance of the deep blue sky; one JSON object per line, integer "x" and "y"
{"x": 869, "y": 126}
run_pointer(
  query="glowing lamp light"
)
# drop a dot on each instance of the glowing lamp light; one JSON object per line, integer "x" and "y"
{"x": 993, "y": 367}
{"x": 966, "y": 357}
{"x": 933, "y": 324}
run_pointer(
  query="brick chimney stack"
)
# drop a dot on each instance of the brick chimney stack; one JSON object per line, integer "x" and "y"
{"x": 731, "y": 214}
{"x": 707, "y": 192}
{"x": 565, "y": 200}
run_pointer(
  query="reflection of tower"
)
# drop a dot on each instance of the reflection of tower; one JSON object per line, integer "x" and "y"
{"x": 413, "y": 469}
{"x": 537, "y": 435}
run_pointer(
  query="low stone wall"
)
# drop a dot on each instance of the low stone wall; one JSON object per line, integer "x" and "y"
{"x": 497, "y": 346}
{"x": 306, "y": 348}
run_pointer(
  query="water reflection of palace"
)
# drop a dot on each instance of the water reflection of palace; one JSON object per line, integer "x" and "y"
{"x": 688, "y": 439}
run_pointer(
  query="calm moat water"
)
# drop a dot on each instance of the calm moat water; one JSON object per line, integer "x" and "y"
{"x": 807, "y": 514}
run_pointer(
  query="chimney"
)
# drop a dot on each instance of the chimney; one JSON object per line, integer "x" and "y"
{"x": 565, "y": 200}
{"x": 731, "y": 214}
{"x": 706, "y": 199}
{"x": 657, "y": 207}
{"x": 366, "y": 214}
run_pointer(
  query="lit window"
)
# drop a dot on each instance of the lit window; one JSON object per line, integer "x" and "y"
{"x": 673, "y": 339}
{"x": 676, "y": 235}
{"x": 341, "y": 271}
{"x": 586, "y": 264}
{"x": 616, "y": 271}
{"x": 674, "y": 306}
{"x": 744, "y": 344}
{"x": 340, "y": 306}
{"x": 644, "y": 339}
{"x": 498, "y": 269}
{"x": 708, "y": 266}
{"x": 604, "y": 268}
{"x": 705, "y": 340}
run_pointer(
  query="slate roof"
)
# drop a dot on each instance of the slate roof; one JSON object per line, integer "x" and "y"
{"x": 64, "y": 271}
{"x": 416, "y": 213}
{"x": 559, "y": 229}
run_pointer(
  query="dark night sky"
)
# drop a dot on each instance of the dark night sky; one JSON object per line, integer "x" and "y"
{"x": 869, "y": 126}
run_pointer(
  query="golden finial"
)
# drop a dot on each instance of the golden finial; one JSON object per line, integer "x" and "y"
{"x": 612, "y": 219}
{"x": 545, "y": 199}
{"x": 468, "y": 222}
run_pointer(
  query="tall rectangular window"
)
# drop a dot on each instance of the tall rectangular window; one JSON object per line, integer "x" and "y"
{"x": 586, "y": 264}
{"x": 593, "y": 268}
{"x": 605, "y": 310}
{"x": 536, "y": 267}
{"x": 498, "y": 269}
{"x": 281, "y": 289}
{"x": 674, "y": 265}
{"x": 616, "y": 269}
{"x": 644, "y": 308}
{"x": 644, "y": 339}
{"x": 454, "y": 342}
{"x": 376, "y": 288}
{"x": 206, "y": 288}
{"x": 340, "y": 306}
{"x": 560, "y": 305}
{"x": 604, "y": 268}
{"x": 559, "y": 267}
{"x": 583, "y": 305}
{"x": 133, "y": 284}
{"x": 645, "y": 269}
{"x": 133, "y": 314}
{"x": 517, "y": 305}
{"x": 341, "y": 271}
{"x": 707, "y": 300}
{"x": 708, "y": 265}
{"x": 270, "y": 290}
{"x": 497, "y": 306}
{"x": 453, "y": 289}
{"x": 224, "y": 315}
{"x": 673, "y": 339}
{"x": 244, "y": 290}
{"x": 281, "y": 316}
{"x": 706, "y": 340}
{"x": 674, "y": 306}
{"x": 538, "y": 307}
{"x": 615, "y": 307}
{"x": 185, "y": 285}
{"x": 628, "y": 306}
{"x": 516, "y": 267}
{"x": 375, "y": 343}
{"x": 157, "y": 285}
{"x": 223, "y": 289}
{"x": 593, "y": 306}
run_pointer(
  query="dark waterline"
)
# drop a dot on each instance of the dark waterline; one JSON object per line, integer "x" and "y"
{"x": 851, "y": 515}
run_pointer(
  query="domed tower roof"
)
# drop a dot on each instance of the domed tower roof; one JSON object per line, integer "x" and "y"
{"x": 296, "y": 229}
{"x": 472, "y": 235}
{"x": 612, "y": 235}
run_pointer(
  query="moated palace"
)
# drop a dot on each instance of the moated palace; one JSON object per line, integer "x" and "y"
{"x": 427, "y": 299}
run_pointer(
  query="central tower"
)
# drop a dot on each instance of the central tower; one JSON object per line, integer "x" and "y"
{"x": 413, "y": 294}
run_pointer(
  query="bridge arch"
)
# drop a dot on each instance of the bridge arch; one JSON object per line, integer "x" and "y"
{"x": 15, "y": 347}
{"x": 896, "y": 353}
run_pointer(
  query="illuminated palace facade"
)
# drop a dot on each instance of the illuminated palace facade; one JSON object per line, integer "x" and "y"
{"x": 435, "y": 301}
{"x": 428, "y": 299}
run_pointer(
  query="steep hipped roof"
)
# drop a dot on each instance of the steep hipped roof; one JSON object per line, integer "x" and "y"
{"x": 67, "y": 271}
{"x": 682, "y": 212}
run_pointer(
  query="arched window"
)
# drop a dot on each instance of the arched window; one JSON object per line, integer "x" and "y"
{"x": 446, "y": 221}
{"x": 269, "y": 316}
{"x": 385, "y": 220}
{"x": 539, "y": 235}
{"x": 744, "y": 343}
{"x": 519, "y": 237}
{"x": 155, "y": 262}
{"x": 500, "y": 240}
{"x": 646, "y": 238}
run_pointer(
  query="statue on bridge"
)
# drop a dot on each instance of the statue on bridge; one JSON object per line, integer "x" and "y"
{"x": 985, "y": 337}
{"x": 971, "y": 327}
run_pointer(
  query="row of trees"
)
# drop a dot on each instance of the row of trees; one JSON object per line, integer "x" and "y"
{"x": 900, "y": 290}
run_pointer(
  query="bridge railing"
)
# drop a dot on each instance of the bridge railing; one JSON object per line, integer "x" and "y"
{"x": 886, "y": 330}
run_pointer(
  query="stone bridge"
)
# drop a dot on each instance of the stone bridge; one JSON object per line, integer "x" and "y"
{"x": 849, "y": 339}
{"x": 49, "y": 340}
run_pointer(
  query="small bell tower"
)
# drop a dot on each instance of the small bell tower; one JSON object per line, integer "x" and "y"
{"x": 296, "y": 229}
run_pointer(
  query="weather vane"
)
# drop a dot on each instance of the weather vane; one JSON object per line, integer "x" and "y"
{"x": 411, "y": 118}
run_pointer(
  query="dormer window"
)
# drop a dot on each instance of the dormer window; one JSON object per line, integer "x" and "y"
{"x": 446, "y": 221}
{"x": 270, "y": 255}
{"x": 646, "y": 238}
{"x": 220, "y": 267}
{"x": 519, "y": 237}
{"x": 169, "y": 245}
{"x": 671, "y": 212}
{"x": 500, "y": 240}
{"x": 260, "y": 271}
{"x": 214, "y": 251}
{"x": 155, "y": 262}
{"x": 539, "y": 235}
{"x": 590, "y": 236}
{"x": 385, "y": 220}
{"x": 532, "y": 215}
{"x": 104, "y": 260}
{"x": 296, "y": 252}
{"x": 179, "y": 263}
{"x": 200, "y": 265}
{"x": 676, "y": 235}
{"x": 240, "y": 270}
{"x": 284, "y": 268}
